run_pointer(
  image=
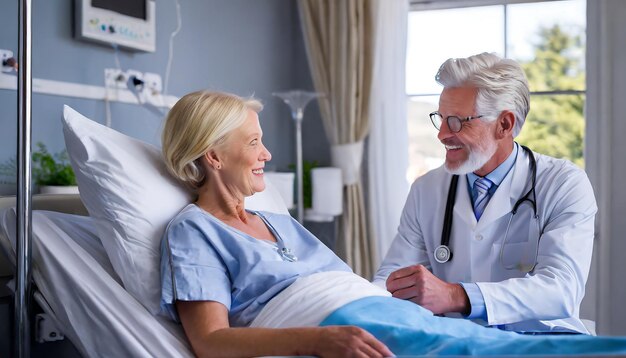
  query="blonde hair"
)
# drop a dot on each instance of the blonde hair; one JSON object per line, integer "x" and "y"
{"x": 199, "y": 122}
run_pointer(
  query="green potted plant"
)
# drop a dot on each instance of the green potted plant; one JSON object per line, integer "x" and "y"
{"x": 307, "y": 190}
{"x": 52, "y": 173}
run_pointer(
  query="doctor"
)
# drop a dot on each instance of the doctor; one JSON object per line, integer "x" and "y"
{"x": 498, "y": 234}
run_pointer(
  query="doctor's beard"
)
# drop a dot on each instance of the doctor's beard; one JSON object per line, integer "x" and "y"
{"x": 478, "y": 157}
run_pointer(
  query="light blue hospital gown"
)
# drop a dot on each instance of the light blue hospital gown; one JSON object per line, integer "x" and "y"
{"x": 203, "y": 259}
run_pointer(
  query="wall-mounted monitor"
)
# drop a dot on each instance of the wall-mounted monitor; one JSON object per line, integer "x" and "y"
{"x": 128, "y": 23}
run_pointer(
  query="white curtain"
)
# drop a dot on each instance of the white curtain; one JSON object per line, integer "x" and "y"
{"x": 338, "y": 35}
{"x": 388, "y": 138}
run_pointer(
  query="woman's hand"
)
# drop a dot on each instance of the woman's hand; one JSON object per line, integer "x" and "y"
{"x": 206, "y": 326}
{"x": 349, "y": 341}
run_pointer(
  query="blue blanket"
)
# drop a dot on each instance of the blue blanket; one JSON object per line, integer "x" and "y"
{"x": 408, "y": 329}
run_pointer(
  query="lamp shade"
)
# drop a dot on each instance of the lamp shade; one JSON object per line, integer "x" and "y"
{"x": 327, "y": 188}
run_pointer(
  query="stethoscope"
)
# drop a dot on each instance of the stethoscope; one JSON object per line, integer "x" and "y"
{"x": 443, "y": 253}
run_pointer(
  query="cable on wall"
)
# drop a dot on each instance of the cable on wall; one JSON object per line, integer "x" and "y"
{"x": 179, "y": 25}
{"x": 107, "y": 93}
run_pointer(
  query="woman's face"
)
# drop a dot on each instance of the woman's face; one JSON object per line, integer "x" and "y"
{"x": 244, "y": 156}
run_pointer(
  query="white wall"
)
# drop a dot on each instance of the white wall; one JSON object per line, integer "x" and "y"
{"x": 606, "y": 156}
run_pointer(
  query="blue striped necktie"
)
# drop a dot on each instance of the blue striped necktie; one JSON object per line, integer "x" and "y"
{"x": 481, "y": 186}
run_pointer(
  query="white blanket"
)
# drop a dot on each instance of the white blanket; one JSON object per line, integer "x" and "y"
{"x": 311, "y": 299}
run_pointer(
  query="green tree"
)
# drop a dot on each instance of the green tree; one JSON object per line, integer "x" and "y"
{"x": 555, "y": 124}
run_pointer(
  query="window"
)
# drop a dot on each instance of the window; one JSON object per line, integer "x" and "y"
{"x": 549, "y": 46}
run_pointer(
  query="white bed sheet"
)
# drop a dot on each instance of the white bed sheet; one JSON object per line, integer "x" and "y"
{"x": 73, "y": 273}
{"x": 309, "y": 300}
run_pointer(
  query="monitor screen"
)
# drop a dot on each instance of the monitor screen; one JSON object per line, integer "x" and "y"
{"x": 133, "y": 8}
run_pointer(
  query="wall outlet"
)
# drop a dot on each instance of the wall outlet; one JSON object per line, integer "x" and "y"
{"x": 153, "y": 89}
{"x": 146, "y": 87}
{"x": 115, "y": 78}
{"x": 5, "y": 55}
{"x": 133, "y": 74}
{"x": 152, "y": 81}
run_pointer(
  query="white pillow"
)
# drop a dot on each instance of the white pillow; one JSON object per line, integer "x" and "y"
{"x": 127, "y": 190}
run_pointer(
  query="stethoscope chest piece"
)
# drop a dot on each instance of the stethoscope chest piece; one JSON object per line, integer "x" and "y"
{"x": 443, "y": 254}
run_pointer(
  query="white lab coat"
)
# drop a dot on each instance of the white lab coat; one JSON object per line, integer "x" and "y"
{"x": 546, "y": 299}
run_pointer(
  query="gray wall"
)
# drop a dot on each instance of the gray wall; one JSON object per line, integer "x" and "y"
{"x": 244, "y": 47}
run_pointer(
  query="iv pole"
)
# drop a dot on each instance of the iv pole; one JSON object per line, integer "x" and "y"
{"x": 24, "y": 195}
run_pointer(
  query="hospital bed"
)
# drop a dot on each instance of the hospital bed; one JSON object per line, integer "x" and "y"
{"x": 78, "y": 287}
{"x": 88, "y": 294}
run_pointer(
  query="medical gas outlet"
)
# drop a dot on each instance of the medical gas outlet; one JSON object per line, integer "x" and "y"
{"x": 9, "y": 63}
{"x": 147, "y": 87}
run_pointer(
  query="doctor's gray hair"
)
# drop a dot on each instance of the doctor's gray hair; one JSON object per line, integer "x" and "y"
{"x": 501, "y": 84}
{"x": 198, "y": 123}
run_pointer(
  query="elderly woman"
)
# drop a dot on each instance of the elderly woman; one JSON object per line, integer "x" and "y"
{"x": 223, "y": 263}
{"x": 228, "y": 274}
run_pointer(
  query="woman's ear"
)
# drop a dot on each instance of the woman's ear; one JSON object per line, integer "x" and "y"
{"x": 213, "y": 160}
{"x": 506, "y": 124}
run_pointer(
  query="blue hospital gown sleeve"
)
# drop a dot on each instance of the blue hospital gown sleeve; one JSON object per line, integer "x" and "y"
{"x": 191, "y": 268}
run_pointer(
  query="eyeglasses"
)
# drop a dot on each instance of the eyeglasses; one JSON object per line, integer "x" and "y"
{"x": 454, "y": 123}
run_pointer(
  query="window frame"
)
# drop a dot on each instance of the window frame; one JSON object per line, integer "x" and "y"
{"x": 422, "y": 5}
{"x": 427, "y": 5}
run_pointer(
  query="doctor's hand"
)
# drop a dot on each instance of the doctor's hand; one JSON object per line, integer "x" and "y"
{"x": 416, "y": 283}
